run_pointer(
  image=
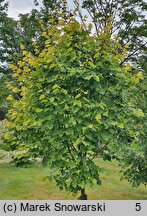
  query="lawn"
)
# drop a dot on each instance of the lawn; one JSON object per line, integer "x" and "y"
{"x": 31, "y": 183}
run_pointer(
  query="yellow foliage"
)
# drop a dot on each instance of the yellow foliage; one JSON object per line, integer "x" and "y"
{"x": 124, "y": 70}
{"x": 49, "y": 60}
{"x": 38, "y": 110}
{"x": 41, "y": 97}
{"x": 61, "y": 22}
{"x": 36, "y": 51}
{"x": 10, "y": 98}
{"x": 10, "y": 111}
{"x": 47, "y": 42}
{"x": 22, "y": 47}
{"x": 12, "y": 67}
{"x": 32, "y": 62}
{"x": 15, "y": 75}
{"x": 126, "y": 46}
{"x": 98, "y": 118}
{"x": 25, "y": 53}
{"x": 118, "y": 44}
{"x": 20, "y": 78}
{"x": 90, "y": 26}
{"x": 21, "y": 63}
{"x": 7, "y": 136}
{"x": 9, "y": 86}
{"x": 16, "y": 104}
{"x": 120, "y": 125}
{"x": 135, "y": 79}
{"x": 128, "y": 67}
{"x": 7, "y": 122}
{"x": 125, "y": 51}
{"x": 51, "y": 31}
{"x": 26, "y": 69}
{"x": 60, "y": 40}
{"x": 121, "y": 57}
{"x": 13, "y": 115}
{"x": 44, "y": 34}
{"x": 139, "y": 75}
{"x": 90, "y": 126}
{"x": 15, "y": 89}
{"x": 23, "y": 91}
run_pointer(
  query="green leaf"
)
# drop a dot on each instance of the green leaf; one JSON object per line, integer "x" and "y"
{"x": 97, "y": 78}
{"x": 53, "y": 66}
{"x": 78, "y": 103}
{"x": 120, "y": 125}
{"x": 96, "y": 55}
{"x": 41, "y": 97}
{"x": 38, "y": 110}
{"x": 77, "y": 96}
{"x": 91, "y": 64}
{"x": 88, "y": 77}
{"x": 98, "y": 118}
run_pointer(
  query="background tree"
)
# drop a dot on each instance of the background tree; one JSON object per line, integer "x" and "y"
{"x": 3, "y": 8}
{"x": 12, "y": 34}
{"x": 128, "y": 20}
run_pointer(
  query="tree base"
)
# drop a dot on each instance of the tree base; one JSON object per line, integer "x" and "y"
{"x": 83, "y": 197}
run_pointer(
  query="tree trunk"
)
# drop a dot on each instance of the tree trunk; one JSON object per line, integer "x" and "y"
{"x": 83, "y": 195}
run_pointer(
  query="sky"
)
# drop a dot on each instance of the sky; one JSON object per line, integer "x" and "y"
{"x": 20, "y": 6}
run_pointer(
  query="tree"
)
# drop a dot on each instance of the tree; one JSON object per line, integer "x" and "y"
{"x": 76, "y": 102}
{"x": 3, "y": 94}
{"x": 127, "y": 19}
{"x": 24, "y": 31}
{"x": 10, "y": 39}
{"x": 134, "y": 160}
{"x": 128, "y": 22}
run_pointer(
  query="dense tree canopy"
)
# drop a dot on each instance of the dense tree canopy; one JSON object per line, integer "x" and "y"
{"x": 76, "y": 102}
{"x": 72, "y": 94}
{"x": 127, "y": 20}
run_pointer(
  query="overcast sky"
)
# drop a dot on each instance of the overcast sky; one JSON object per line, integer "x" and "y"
{"x": 20, "y": 6}
{"x": 23, "y": 6}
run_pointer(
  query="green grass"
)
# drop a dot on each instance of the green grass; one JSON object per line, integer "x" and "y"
{"x": 30, "y": 183}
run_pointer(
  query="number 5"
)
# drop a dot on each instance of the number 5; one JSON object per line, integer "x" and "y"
{"x": 138, "y": 207}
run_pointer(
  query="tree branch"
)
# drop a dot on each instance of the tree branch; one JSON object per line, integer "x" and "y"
{"x": 131, "y": 54}
{"x": 70, "y": 153}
